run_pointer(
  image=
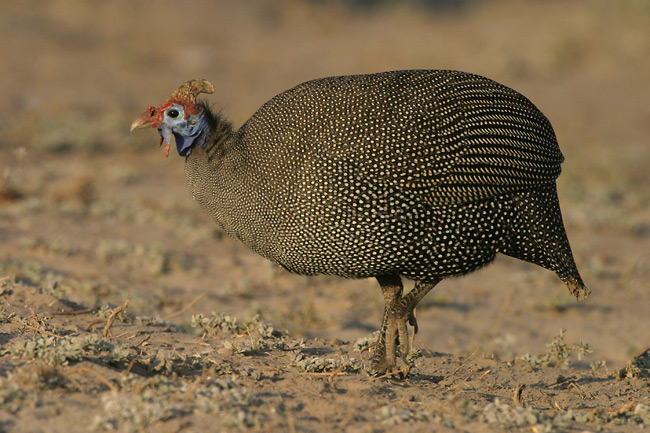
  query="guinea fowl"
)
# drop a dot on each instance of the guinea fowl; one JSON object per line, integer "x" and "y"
{"x": 422, "y": 174}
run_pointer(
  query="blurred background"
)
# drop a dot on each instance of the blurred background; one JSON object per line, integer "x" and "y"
{"x": 100, "y": 215}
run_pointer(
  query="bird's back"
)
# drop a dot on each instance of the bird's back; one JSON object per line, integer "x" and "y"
{"x": 443, "y": 136}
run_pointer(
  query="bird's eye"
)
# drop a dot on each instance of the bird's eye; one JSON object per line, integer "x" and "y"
{"x": 173, "y": 113}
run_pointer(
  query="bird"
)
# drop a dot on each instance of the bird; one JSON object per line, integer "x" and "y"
{"x": 412, "y": 174}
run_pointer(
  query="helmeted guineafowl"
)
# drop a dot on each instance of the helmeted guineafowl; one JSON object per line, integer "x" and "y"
{"x": 422, "y": 174}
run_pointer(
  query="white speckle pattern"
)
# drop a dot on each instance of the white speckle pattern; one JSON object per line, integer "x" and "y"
{"x": 423, "y": 174}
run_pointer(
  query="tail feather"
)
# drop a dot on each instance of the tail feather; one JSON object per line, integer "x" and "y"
{"x": 537, "y": 235}
{"x": 577, "y": 288}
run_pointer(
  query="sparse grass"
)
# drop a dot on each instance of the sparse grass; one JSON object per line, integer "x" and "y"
{"x": 365, "y": 344}
{"x": 252, "y": 336}
{"x": 30, "y": 271}
{"x": 145, "y": 385}
{"x": 5, "y": 316}
{"x": 316, "y": 364}
{"x": 558, "y": 353}
{"x": 64, "y": 350}
{"x": 149, "y": 257}
{"x": 147, "y": 401}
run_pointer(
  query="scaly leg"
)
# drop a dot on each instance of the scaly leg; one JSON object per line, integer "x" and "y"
{"x": 414, "y": 297}
{"x": 385, "y": 348}
{"x": 397, "y": 312}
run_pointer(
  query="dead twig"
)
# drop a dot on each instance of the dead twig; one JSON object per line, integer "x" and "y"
{"x": 488, "y": 371}
{"x": 97, "y": 376}
{"x": 34, "y": 328}
{"x": 144, "y": 342}
{"x": 113, "y": 316}
{"x": 184, "y": 309}
{"x": 578, "y": 389}
{"x": 324, "y": 373}
{"x": 75, "y": 312}
{"x": 94, "y": 323}
{"x": 423, "y": 346}
{"x": 128, "y": 368}
{"x": 517, "y": 398}
{"x": 464, "y": 362}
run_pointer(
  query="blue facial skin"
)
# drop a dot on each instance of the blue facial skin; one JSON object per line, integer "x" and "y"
{"x": 185, "y": 131}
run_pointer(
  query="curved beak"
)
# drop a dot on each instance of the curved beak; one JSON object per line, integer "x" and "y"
{"x": 143, "y": 121}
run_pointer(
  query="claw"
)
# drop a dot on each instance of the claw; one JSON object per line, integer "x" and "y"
{"x": 413, "y": 321}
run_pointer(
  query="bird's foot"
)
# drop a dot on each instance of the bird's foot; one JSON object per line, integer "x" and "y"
{"x": 399, "y": 310}
{"x": 394, "y": 334}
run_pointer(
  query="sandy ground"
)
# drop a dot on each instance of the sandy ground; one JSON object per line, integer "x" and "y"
{"x": 215, "y": 338}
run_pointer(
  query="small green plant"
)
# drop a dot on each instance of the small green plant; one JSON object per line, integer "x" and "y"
{"x": 507, "y": 416}
{"x": 31, "y": 271}
{"x": 413, "y": 354}
{"x": 390, "y": 415}
{"x": 597, "y": 365}
{"x": 49, "y": 349}
{"x": 253, "y": 336}
{"x": 12, "y": 394}
{"x": 365, "y": 344}
{"x": 558, "y": 353}
{"x": 54, "y": 288}
{"x": 105, "y": 311}
{"x": 4, "y": 315}
{"x": 315, "y": 364}
{"x": 147, "y": 401}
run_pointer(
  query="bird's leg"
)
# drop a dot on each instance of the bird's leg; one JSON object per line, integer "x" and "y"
{"x": 386, "y": 347}
{"x": 413, "y": 298}
{"x": 406, "y": 312}
{"x": 397, "y": 312}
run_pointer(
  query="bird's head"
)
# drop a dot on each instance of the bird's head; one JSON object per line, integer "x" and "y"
{"x": 180, "y": 115}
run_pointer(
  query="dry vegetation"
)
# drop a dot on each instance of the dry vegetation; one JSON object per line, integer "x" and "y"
{"x": 214, "y": 338}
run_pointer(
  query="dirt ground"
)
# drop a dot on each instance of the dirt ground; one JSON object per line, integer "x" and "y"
{"x": 215, "y": 338}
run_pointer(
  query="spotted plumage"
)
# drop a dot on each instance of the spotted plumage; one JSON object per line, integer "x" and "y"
{"x": 417, "y": 174}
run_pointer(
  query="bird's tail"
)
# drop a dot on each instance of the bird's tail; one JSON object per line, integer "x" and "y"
{"x": 538, "y": 236}
{"x": 577, "y": 288}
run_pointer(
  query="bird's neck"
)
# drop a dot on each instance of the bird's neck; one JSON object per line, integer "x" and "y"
{"x": 215, "y": 136}
{"x": 216, "y": 178}
{"x": 196, "y": 135}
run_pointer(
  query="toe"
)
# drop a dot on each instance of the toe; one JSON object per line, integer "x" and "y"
{"x": 413, "y": 321}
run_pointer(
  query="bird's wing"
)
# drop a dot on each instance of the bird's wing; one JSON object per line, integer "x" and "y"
{"x": 486, "y": 140}
{"x": 442, "y": 136}
{"x": 450, "y": 137}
